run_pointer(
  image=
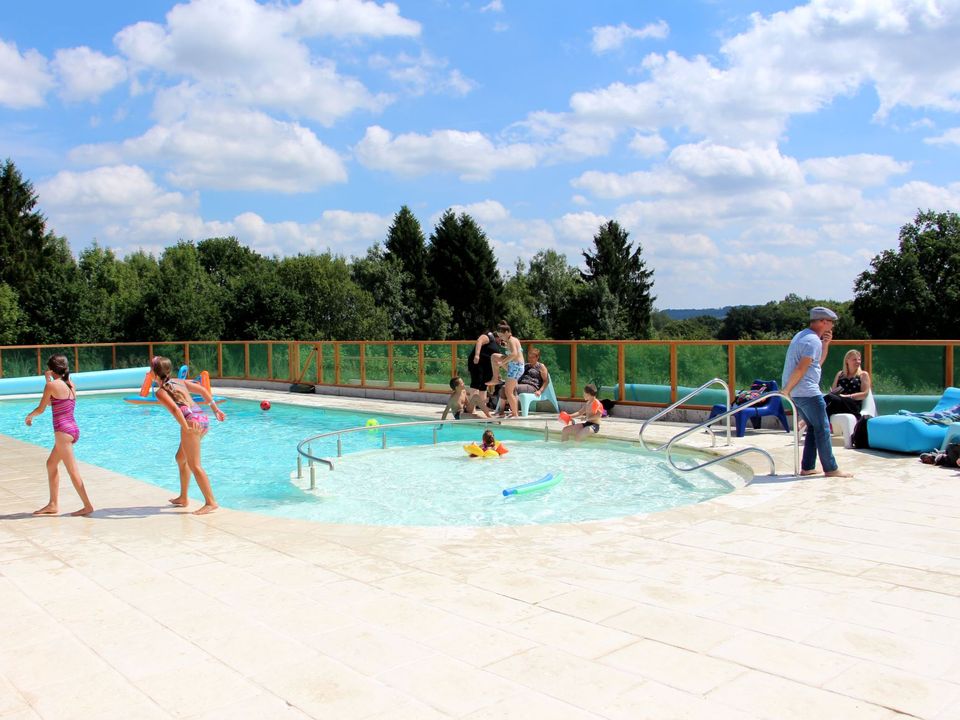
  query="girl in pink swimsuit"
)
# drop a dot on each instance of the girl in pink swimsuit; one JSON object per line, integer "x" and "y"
{"x": 176, "y": 397}
{"x": 59, "y": 393}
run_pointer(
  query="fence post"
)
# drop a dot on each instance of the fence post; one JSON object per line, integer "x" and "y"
{"x": 948, "y": 381}
{"x": 673, "y": 372}
{"x": 573, "y": 369}
{"x": 420, "y": 362}
{"x": 731, "y": 369}
{"x": 621, "y": 371}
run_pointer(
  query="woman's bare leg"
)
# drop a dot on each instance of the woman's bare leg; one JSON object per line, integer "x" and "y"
{"x": 53, "y": 480}
{"x": 183, "y": 468}
{"x": 65, "y": 446}
{"x": 512, "y": 399}
{"x": 190, "y": 442}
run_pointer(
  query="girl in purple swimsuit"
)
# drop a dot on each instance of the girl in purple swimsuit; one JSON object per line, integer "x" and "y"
{"x": 176, "y": 396}
{"x": 59, "y": 393}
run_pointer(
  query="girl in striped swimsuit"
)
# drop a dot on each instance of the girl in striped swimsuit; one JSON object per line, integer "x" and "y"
{"x": 175, "y": 396}
{"x": 59, "y": 393}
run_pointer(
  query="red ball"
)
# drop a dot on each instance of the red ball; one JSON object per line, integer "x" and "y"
{"x": 264, "y": 404}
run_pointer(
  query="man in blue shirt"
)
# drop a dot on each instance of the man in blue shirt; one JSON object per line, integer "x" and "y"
{"x": 801, "y": 381}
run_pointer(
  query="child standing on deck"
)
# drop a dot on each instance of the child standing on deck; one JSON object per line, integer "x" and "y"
{"x": 591, "y": 411}
{"x": 513, "y": 359}
{"x": 60, "y": 394}
{"x": 175, "y": 396}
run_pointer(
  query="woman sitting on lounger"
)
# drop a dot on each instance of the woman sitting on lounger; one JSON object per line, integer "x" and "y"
{"x": 850, "y": 387}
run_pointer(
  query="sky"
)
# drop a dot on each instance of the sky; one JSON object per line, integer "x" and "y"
{"x": 752, "y": 148}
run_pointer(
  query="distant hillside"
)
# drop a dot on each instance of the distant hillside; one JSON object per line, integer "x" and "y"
{"x": 681, "y": 314}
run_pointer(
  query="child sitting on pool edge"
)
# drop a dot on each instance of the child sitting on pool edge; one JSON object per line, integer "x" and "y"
{"x": 591, "y": 411}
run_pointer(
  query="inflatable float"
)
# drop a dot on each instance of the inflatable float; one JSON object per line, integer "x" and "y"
{"x": 122, "y": 379}
{"x": 148, "y": 395}
{"x": 544, "y": 483}
{"x": 474, "y": 450}
{"x": 596, "y": 408}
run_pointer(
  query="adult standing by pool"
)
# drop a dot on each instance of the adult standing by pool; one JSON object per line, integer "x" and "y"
{"x": 480, "y": 368}
{"x": 514, "y": 361}
{"x": 801, "y": 382}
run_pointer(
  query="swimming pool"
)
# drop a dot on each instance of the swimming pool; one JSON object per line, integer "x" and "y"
{"x": 250, "y": 459}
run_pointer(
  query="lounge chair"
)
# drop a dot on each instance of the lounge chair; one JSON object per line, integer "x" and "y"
{"x": 525, "y": 400}
{"x": 844, "y": 423}
{"x": 908, "y": 434}
{"x": 772, "y": 407}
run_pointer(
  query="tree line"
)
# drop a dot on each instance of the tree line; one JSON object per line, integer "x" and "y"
{"x": 416, "y": 287}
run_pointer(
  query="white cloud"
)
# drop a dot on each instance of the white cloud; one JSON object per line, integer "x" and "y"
{"x": 612, "y": 37}
{"x": 86, "y": 74}
{"x": 950, "y": 137}
{"x": 225, "y": 148}
{"x": 862, "y": 170}
{"x": 256, "y": 57}
{"x": 470, "y": 154}
{"x": 642, "y": 182}
{"x": 340, "y": 18}
{"x": 78, "y": 202}
{"x": 24, "y": 78}
{"x": 424, "y": 73}
{"x": 126, "y": 209}
{"x": 734, "y": 167}
{"x": 647, "y": 145}
{"x": 493, "y": 6}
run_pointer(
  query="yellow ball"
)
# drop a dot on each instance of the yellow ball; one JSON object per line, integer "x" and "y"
{"x": 371, "y": 422}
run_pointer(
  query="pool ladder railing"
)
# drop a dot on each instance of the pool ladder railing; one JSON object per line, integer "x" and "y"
{"x": 726, "y": 415}
{"x": 304, "y": 449}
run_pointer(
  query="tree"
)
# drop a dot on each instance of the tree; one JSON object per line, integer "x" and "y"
{"x": 556, "y": 287}
{"x": 519, "y": 306}
{"x": 383, "y": 276}
{"x": 183, "y": 303}
{"x": 11, "y": 316}
{"x": 614, "y": 261}
{"x": 22, "y": 228}
{"x": 914, "y": 292}
{"x": 462, "y": 264}
{"x": 110, "y": 295}
{"x": 406, "y": 248}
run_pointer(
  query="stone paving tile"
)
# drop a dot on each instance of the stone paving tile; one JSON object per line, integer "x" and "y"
{"x": 895, "y": 689}
{"x": 768, "y": 696}
{"x": 813, "y": 598}
{"x": 685, "y": 670}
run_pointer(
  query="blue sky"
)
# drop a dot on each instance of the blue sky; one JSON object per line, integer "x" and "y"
{"x": 753, "y": 148}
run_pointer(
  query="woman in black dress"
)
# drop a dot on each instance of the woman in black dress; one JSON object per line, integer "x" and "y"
{"x": 850, "y": 387}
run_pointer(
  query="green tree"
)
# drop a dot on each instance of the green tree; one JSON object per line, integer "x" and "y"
{"x": 914, "y": 291}
{"x": 11, "y": 316}
{"x": 520, "y": 306}
{"x": 110, "y": 296}
{"x": 614, "y": 260}
{"x": 22, "y": 228}
{"x": 183, "y": 303}
{"x": 323, "y": 303}
{"x": 781, "y": 320}
{"x": 556, "y": 287}
{"x": 382, "y": 275}
{"x": 463, "y": 266}
{"x": 699, "y": 327}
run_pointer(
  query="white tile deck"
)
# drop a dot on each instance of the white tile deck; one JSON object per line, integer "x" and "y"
{"x": 814, "y": 598}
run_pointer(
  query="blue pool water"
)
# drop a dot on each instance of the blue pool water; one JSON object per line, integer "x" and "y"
{"x": 251, "y": 456}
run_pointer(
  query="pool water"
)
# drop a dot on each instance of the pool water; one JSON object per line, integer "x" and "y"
{"x": 251, "y": 456}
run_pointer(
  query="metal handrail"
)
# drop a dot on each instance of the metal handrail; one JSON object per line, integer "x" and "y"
{"x": 681, "y": 401}
{"x": 741, "y": 451}
{"x": 307, "y": 453}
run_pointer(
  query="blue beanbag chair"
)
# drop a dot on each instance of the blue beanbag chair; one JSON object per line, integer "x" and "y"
{"x": 902, "y": 433}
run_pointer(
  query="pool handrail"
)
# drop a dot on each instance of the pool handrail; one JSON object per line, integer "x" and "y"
{"x": 307, "y": 453}
{"x": 741, "y": 451}
{"x": 681, "y": 401}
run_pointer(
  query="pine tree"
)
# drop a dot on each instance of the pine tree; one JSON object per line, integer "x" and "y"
{"x": 626, "y": 278}
{"x": 462, "y": 264}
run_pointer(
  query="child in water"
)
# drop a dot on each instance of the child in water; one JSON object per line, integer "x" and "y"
{"x": 60, "y": 393}
{"x": 175, "y": 396}
{"x": 458, "y": 399}
{"x": 591, "y": 411}
{"x": 488, "y": 441}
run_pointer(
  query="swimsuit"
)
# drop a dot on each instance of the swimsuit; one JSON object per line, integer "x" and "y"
{"x": 193, "y": 414}
{"x": 481, "y": 372}
{"x": 63, "y": 420}
{"x": 592, "y": 425}
{"x": 514, "y": 370}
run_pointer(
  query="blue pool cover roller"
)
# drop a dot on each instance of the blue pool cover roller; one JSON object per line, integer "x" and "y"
{"x": 544, "y": 483}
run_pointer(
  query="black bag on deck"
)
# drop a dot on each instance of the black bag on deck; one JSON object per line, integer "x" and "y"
{"x": 860, "y": 440}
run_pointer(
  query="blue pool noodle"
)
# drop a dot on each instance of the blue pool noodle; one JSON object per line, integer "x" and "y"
{"x": 544, "y": 483}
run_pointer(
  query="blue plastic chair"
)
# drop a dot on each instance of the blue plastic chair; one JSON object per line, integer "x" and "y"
{"x": 772, "y": 407}
{"x": 547, "y": 395}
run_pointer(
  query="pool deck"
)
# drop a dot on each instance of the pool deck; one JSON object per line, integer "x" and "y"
{"x": 790, "y": 598}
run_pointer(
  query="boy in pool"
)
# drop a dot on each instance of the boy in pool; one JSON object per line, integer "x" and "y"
{"x": 591, "y": 411}
{"x": 458, "y": 399}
